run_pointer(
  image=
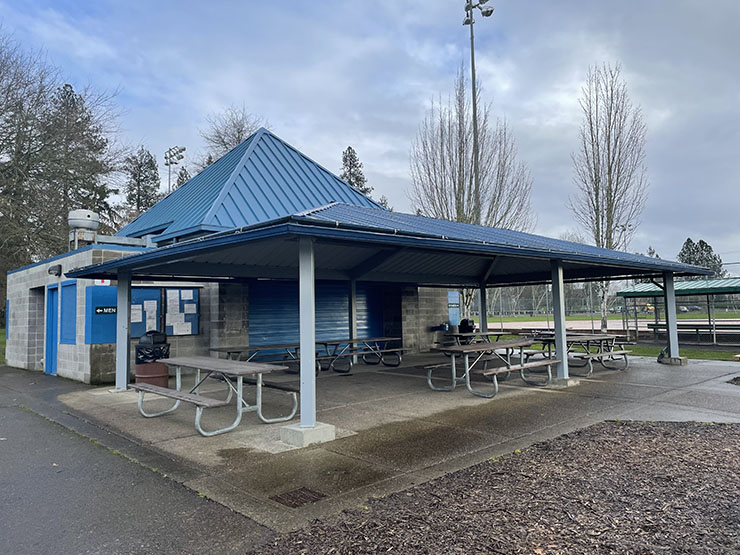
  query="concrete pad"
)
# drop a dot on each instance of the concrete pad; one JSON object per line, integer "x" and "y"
{"x": 713, "y": 401}
{"x": 675, "y": 361}
{"x": 314, "y": 468}
{"x": 410, "y": 445}
{"x": 676, "y": 413}
{"x": 608, "y": 390}
{"x": 298, "y": 436}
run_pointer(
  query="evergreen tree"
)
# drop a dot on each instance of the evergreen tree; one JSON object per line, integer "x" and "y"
{"x": 182, "y": 176}
{"x": 76, "y": 161}
{"x": 383, "y": 201}
{"x": 352, "y": 171}
{"x": 142, "y": 181}
{"x": 701, "y": 254}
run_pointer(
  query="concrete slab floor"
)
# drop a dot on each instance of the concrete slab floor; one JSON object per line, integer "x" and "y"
{"x": 394, "y": 432}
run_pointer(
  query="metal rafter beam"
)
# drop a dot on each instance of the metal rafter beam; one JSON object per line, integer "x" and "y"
{"x": 491, "y": 267}
{"x": 373, "y": 262}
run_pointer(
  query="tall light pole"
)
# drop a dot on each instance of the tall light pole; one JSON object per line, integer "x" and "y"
{"x": 486, "y": 11}
{"x": 172, "y": 158}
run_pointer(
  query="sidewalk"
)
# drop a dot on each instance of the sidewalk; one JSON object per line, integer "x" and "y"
{"x": 392, "y": 431}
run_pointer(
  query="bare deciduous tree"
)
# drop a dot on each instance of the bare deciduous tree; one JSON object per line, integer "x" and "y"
{"x": 609, "y": 164}
{"x": 442, "y": 176}
{"x": 442, "y": 166}
{"x": 227, "y": 129}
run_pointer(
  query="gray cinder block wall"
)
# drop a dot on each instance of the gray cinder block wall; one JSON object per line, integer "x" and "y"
{"x": 422, "y": 308}
{"x": 26, "y": 344}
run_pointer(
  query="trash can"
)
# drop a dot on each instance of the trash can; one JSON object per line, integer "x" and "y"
{"x": 152, "y": 346}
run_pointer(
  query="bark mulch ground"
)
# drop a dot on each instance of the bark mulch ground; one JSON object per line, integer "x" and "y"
{"x": 637, "y": 487}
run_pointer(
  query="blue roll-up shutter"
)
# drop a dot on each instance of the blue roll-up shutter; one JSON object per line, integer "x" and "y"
{"x": 273, "y": 311}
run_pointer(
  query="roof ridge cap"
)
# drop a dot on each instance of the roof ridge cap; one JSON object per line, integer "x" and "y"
{"x": 229, "y": 184}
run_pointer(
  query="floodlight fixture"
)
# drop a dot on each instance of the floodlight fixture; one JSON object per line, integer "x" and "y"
{"x": 486, "y": 11}
{"x": 172, "y": 158}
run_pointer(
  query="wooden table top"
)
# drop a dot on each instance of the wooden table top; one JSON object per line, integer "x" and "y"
{"x": 358, "y": 340}
{"x": 476, "y": 333}
{"x": 245, "y": 348}
{"x": 222, "y": 365}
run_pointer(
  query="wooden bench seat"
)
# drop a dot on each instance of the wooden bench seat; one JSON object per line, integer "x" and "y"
{"x": 197, "y": 400}
{"x": 520, "y": 367}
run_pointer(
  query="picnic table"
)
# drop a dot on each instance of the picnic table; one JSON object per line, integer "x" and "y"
{"x": 373, "y": 350}
{"x": 289, "y": 351}
{"x": 335, "y": 352}
{"x": 503, "y": 352}
{"x": 227, "y": 370}
{"x": 608, "y": 349}
{"x": 464, "y": 338}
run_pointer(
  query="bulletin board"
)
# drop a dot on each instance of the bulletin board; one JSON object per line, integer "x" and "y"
{"x": 181, "y": 311}
{"x": 146, "y": 310}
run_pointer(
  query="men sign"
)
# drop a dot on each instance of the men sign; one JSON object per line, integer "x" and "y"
{"x": 105, "y": 310}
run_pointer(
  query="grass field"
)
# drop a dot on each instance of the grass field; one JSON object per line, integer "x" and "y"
{"x": 640, "y": 316}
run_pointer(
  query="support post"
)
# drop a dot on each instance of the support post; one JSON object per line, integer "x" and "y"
{"x": 710, "y": 318}
{"x": 656, "y": 312}
{"x": 308, "y": 431}
{"x": 483, "y": 300}
{"x": 353, "y": 313}
{"x": 671, "y": 322}
{"x": 123, "y": 315}
{"x": 307, "y": 331}
{"x": 558, "y": 316}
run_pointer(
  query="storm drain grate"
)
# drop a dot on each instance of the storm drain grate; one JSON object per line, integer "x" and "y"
{"x": 298, "y": 497}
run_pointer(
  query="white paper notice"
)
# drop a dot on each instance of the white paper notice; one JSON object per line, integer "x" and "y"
{"x": 187, "y": 294}
{"x": 136, "y": 315}
{"x": 190, "y": 308}
{"x": 172, "y": 296}
{"x": 151, "y": 322}
{"x": 150, "y": 307}
{"x": 181, "y": 328}
{"x": 175, "y": 319}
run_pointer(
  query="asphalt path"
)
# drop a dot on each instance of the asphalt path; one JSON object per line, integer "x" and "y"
{"x": 61, "y": 492}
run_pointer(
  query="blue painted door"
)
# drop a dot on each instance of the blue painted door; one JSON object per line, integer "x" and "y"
{"x": 52, "y": 330}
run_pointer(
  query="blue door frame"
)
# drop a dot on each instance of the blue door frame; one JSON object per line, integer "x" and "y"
{"x": 52, "y": 329}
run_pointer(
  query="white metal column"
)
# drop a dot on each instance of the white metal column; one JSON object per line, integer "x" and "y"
{"x": 307, "y": 332}
{"x": 353, "y": 313}
{"x": 558, "y": 316}
{"x": 123, "y": 314}
{"x": 482, "y": 298}
{"x": 670, "y": 314}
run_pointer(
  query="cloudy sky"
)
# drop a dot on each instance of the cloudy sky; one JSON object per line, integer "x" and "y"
{"x": 327, "y": 74}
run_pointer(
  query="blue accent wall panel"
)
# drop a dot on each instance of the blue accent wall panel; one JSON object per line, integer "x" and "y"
{"x": 68, "y": 326}
{"x": 100, "y": 328}
{"x": 453, "y": 307}
{"x": 273, "y": 311}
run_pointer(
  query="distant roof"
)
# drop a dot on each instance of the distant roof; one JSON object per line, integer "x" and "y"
{"x": 685, "y": 288}
{"x": 263, "y": 178}
{"x": 371, "y": 244}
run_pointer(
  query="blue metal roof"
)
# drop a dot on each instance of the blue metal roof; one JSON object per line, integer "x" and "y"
{"x": 397, "y": 222}
{"x": 430, "y": 251}
{"x": 262, "y": 179}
